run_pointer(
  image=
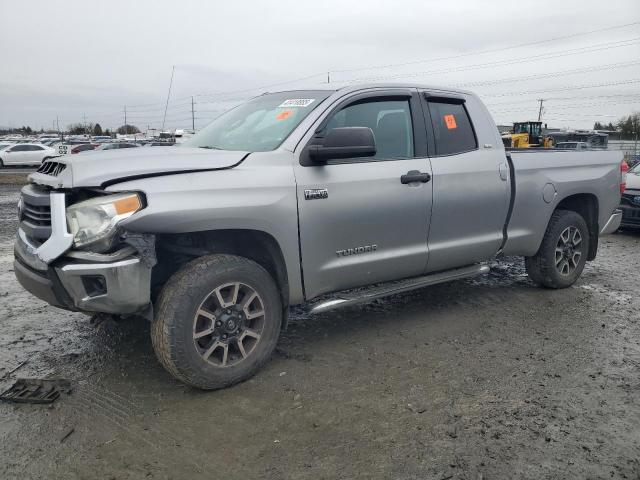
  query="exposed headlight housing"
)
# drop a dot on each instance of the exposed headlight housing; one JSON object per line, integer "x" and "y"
{"x": 94, "y": 221}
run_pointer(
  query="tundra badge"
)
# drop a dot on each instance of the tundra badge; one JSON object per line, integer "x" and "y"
{"x": 356, "y": 250}
{"x": 316, "y": 194}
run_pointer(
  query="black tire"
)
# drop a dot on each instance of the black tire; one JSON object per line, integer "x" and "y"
{"x": 173, "y": 330}
{"x": 1, "y": 163}
{"x": 543, "y": 268}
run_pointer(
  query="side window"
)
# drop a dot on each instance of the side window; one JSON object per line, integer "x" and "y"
{"x": 452, "y": 128}
{"x": 20, "y": 148}
{"x": 390, "y": 121}
{"x": 35, "y": 148}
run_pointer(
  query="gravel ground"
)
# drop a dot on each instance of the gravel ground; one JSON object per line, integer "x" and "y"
{"x": 487, "y": 378}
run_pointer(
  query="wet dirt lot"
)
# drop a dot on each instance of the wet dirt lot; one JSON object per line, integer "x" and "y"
{"x": 486, "y": 378}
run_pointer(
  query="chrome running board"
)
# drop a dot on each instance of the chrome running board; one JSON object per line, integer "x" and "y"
{"x": 348, "y": 298}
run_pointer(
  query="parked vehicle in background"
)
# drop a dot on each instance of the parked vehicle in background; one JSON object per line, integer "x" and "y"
{"x": 25, "y": 154}
{"x": 86, "y": 147}
{"x": 630, "y": 202}
{"x": 65, "y": 147}
{"x": 572, "y": 145}
{"x": 294, "y": 195}
{"x": 158, "y": 144}
{"x": 526, "y": 135}
{"x": 117, "y": 145}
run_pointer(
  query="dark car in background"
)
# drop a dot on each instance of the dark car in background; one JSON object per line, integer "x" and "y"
{"x": 117, "y": 145}
{"x": 85, "y": 147}
{"x": 630, "y": 202}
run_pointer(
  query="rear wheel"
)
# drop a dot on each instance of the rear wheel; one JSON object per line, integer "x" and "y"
{"x": 218, "y": 321}
{"x": 563, "y": 253}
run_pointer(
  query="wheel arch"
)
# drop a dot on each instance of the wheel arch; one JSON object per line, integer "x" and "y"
{"x": 586, "y": 205}
{"x": 176, "y": 249}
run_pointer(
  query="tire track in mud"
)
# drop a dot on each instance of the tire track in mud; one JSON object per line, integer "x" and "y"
{"x": 123, "y": 414}
{"x": 115, "y": 401}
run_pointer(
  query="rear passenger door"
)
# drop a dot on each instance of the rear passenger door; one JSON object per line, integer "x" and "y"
{"x": 470, "y": 182}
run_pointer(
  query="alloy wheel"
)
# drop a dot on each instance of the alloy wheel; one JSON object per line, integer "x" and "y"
{"x": 228, "y": 324}
{"x": 568, "y": 251}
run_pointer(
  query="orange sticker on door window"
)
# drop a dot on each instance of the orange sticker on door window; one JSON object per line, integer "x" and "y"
{"x": 284, "y": 114}
{"x": 450, "y": 120}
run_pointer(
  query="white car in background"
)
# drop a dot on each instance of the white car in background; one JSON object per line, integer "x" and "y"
{"x": 25, "y": 154}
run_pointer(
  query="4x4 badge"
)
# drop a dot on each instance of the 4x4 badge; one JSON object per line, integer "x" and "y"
{"x": 316, "y": 194}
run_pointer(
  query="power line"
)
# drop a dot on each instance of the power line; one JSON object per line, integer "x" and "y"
{"x": 482, "y": 52}
{"x": 501, "y": 63}
{"x": 610, "y": 66}
{"x": 620, "y": 95}
{"x": 568, "y": 88}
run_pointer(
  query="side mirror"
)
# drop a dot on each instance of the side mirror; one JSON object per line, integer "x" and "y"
{"x": 344, "y": 142}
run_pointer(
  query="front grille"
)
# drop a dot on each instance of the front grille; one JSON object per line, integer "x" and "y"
{"x": 51, "y": 168}
{"x": 35, "y": 213}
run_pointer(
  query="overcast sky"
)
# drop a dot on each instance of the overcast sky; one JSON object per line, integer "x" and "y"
{"x": 71, "y": 58}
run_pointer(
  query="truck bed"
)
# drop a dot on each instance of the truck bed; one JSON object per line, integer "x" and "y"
{"x": 542, "y": 179}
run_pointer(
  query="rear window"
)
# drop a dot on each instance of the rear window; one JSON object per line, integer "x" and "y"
{"x": 451, "y": 128}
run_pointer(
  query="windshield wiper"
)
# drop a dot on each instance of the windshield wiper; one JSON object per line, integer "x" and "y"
{"x": 209, "y": 148}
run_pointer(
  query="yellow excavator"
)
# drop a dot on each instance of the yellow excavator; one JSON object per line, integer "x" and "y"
{"x": 527, "y": 135}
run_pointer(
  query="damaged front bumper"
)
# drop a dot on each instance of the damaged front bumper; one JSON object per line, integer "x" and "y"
{"x": 116, "y": 283}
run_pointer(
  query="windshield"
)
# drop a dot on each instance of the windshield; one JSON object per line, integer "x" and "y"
{"x": 261, "y": 124}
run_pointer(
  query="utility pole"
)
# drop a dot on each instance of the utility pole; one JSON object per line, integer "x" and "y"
{"x": 193, "y": 118}
{"x": 541, "y": 100}
{"x": 328, "y": 77}
{"x": 125, "y": 119}
{"x": 84, "y": 119}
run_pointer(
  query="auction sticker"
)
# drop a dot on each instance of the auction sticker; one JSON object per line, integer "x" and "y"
{"x": 284, "y": 115}
{"x": 297, "y": 102}
{"x": 450, "y": 120}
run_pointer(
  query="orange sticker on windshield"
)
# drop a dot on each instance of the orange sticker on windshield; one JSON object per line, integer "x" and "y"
{"x": 284, "y": 114}
{"x": 450, "y": 120}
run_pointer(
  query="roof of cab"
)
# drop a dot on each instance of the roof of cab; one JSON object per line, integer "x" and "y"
{"x": 371, "y": 86}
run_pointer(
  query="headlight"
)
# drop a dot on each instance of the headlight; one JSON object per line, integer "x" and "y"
{"x": 95, "y": 219}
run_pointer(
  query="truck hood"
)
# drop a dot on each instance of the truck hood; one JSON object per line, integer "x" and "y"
{"x": 633, "y": 181}
{"x": 99, "y": 169}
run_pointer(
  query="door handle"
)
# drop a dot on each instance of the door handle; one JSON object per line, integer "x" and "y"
{"x": 414, "y": 176}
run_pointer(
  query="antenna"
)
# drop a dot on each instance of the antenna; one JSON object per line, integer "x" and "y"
{"x": 173, "y": 68}
{"x": 193, "y": 118}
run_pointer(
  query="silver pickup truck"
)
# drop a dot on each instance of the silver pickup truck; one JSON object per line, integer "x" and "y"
{"x": 296, "y": 195}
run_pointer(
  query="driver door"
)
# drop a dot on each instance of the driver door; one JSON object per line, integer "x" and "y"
{"x": 359, "y": 223}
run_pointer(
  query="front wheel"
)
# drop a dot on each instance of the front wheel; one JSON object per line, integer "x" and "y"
{"x": 218, "y": 320}
{"x": 563, "y": 253}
